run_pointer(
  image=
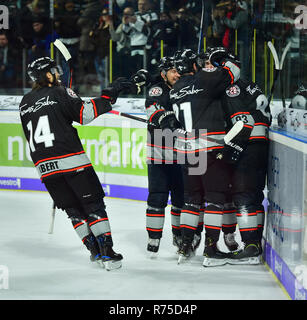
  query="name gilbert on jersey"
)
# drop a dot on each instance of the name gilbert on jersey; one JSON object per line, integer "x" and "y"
{"x": 37, "y": 105}
{"x": 184, "y": 92}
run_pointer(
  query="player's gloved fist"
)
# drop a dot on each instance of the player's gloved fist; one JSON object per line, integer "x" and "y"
{"x": 231, "y": 153}
{"x": 168, "y": 120}
{"x": 141, "y": 78}
{"x": 119, "y": 85}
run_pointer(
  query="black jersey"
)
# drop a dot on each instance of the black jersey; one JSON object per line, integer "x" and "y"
{"x": 47, "y": 115}
{"x": 245, "y": 101}
{"x": 157, "y": 102}
{"x": 197, "y": 104}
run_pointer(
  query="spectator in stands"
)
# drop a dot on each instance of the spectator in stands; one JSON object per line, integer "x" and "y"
{"x": 100, "y": 36}
{"x": 86, "y": 21}
{"x": 7, "y": 62}
{"x": 123, "y": 50}
{"x": 138, "y": 29}
{"x": 164, "y": 30}
{"x": 42, "y": 38}
{"x": 69, "y": 33}
{"x": 235, "y": 17}
{"x": 186, "y": 30}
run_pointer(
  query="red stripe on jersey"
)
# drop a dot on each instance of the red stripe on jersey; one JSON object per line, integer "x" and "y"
{"x": 259, "y": 137}
{"x": 95, "y": 108}
{"x": 230, "y": 73}
{"x": 59, "y": 157}
{"x": 155, "y": 113}
{"x": 68, "y": 170}
{"x": 261, "y": 124}
{"x": 237, "y": 113}
{"x": 213, "y": 133}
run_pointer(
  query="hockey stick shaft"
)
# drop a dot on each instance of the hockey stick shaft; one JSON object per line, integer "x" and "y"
{"x": 201, "y": 26}
{"x": 52, "y": 219}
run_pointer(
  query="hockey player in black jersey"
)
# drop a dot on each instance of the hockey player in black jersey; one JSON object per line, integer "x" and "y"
{"x": 195, "y": 99}
{"x": 164, "y": 174}
{"x": 47, "y": 113}
{"x": 244, "y": 101}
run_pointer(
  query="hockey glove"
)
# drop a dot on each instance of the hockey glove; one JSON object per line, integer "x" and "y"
{"x": 168, "y": 120}
{"x": 231, "y": 153}
{"x": 140, "y": 79}
{"x": 219, "y": 55}
{"x": 118, "y": 86}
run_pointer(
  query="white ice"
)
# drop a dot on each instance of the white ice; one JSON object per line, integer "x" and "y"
{"x": 46, "y": 267}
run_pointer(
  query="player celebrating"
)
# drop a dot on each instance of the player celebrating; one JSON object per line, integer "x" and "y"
{"x": 47, "y": 114}
{"x": 195, "y": 99}
{"x": 164, "y": 174}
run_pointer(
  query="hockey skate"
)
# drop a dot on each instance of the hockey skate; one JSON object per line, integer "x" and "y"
{"x": 212, "y": 255}
{"x": 177, "y": 241}
{"x": 249, "y": 255}
{"x": 92, "y": 245}
{"x": 196, "y": 242}
{"x": 153, "y": 247}
{"x": 110, "y": 260}
{"x": 230, "y": 242}
{"x": 186, "y": 250}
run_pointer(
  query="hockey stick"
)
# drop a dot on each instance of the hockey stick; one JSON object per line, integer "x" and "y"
{"x": 52, "y": 219}
{"x": 67, "y": 56}
{"x": 201, "y": 26}
{"x": 278, "y": 66}
{"x": 127, "y": 115}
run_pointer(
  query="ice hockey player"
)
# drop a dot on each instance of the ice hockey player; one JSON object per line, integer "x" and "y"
{"x": 244, "y": 101}
{"x": 195, "y": 96}
{"x": 164, "y": 174}
{"x": 47, "y": 113}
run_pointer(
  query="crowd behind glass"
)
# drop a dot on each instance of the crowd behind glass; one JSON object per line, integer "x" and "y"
{"x": 106, "y": 43}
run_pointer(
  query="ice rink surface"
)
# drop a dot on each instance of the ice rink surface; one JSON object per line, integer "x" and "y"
{"x": 47, "y": 267}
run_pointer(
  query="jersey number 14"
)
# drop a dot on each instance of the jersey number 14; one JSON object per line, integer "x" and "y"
{"x": 40, "y": 134}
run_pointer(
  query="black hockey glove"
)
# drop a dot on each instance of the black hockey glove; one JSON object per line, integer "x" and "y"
{"x": 219, "y": 55}
{"x": 231, "y": 153}
{"x": 140, "y": 79}
{"x": 118, "y": 86}
{"x": 168, "y": 120}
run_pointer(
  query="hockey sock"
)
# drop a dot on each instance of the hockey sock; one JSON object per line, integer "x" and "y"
{"x": 189, "y": 220}
{"x": 248, "y": 223}
{"x": 260, "y": 219}
{"x": 200, "y": 226}
{"x": 175, "y": 219}
{"x": 154, "y": 222}
{"x": 229, "y": 220}
{"x": 213, "y": 215}
{"x": 81, "y": 227}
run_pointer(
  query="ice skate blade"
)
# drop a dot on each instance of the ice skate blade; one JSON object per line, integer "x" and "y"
{"x": 249, "y": 260}
{"x": 152, "y": 255}
{"x": 182, "y": 259}
{"x": 110, "y": 264}
{"x": 211, "y": 262}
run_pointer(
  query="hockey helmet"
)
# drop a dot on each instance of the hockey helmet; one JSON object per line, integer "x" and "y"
{"x": 40, "y": 66}
{"x": 184, "y": 60}
{"x": 166, "y": 63}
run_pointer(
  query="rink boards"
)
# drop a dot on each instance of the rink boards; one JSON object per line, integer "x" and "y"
{"x": 117, "y": 148}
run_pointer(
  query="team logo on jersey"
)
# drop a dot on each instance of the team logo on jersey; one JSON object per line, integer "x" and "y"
{"x": 155, "y": 92}
{"x": 71, "y": 93}
{"x": 233, "y": 91}
{"x": 252, "y": 90}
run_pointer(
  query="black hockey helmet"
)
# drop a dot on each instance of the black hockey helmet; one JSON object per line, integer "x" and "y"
{"x": 166, "y": 63}
{"x": 38, "y": 68}
{"x": 184, "y": 60}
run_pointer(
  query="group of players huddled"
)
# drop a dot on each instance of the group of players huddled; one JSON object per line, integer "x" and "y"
{"x": 191, "y": 106}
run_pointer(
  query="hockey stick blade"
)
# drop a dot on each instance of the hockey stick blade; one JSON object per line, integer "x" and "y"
{"x": 284, "y": 55}
{"x": 274, "y": 54}
{"x": 234, "y": 131}
{"x": 62, "y": 48}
